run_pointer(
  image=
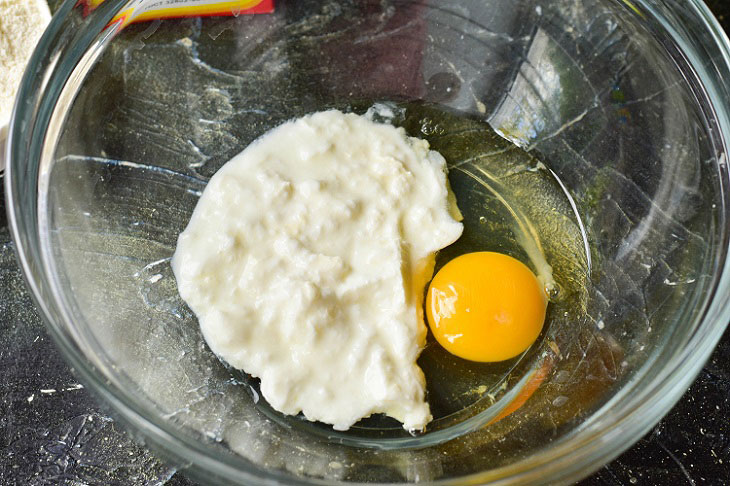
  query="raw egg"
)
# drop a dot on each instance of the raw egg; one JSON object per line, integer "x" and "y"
{"x": 486, "y": 307}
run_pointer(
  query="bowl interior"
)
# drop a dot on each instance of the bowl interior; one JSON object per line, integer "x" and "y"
{"x": 628, "y": 209}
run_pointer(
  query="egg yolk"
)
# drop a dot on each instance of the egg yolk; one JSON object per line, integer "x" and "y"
{"x": 485, "y": 307}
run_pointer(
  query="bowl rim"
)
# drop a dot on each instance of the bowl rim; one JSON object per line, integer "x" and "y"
{"x": 566, "y": 461}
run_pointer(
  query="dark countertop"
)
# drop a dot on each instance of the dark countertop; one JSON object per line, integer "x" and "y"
{"x": 54, "y": 432}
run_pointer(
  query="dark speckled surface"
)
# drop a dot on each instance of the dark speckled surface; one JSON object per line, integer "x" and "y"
{"x": 52, "y": 431}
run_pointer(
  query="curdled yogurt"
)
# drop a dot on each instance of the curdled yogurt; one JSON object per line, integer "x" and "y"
{"x": 306, "y": 259}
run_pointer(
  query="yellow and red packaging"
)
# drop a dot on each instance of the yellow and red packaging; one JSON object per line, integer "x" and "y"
{"x": 145, "y": 10}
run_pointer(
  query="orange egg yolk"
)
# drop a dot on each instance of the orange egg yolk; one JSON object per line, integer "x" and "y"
{"x": 485, "y": 307}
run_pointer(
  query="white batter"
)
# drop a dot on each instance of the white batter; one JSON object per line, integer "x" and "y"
{"x": 306, "y": 260}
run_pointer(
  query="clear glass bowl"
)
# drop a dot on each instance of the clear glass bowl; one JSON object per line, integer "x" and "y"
{"x": 118, "y": 129}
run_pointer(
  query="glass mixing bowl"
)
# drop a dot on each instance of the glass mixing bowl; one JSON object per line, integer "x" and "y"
{"x": 118, "y": 128}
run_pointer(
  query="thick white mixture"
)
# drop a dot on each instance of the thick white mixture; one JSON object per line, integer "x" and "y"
{"x": 306, "y": 260}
